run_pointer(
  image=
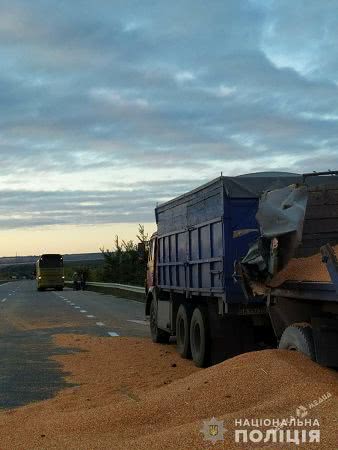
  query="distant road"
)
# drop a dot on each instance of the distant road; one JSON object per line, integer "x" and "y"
{"x": 32, "y": 263}
{"x": 28, "y": 319}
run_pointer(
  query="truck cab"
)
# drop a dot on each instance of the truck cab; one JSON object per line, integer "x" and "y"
{"x": 158, "y": 327}
{"x": 151, "y": 263}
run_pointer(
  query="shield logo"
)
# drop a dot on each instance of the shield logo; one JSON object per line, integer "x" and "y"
{"x": 213, "y": 430}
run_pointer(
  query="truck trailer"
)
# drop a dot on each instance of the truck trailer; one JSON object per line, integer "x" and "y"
{"x": 216, "y": 251}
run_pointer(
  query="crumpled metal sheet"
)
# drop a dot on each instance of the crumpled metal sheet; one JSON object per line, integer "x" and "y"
{"x": 293, "y": 222}
{"x": 280, "y": 216}
{"x": 282, "y": 211}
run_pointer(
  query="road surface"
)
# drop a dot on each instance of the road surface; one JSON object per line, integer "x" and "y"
{"x": 28, "y": 319}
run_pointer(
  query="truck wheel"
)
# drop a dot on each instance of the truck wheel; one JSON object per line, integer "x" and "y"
{"x": 157, "y": 335}
{"x": 298, "y": 336}
{"x": 183, "y": 331}
{"x": 199, "y": 338}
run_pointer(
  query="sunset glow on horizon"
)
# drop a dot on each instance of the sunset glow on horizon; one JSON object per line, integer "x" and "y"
{"x": 66, "y": 239}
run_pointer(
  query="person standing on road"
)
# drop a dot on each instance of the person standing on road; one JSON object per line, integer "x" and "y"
{"x": 76, "y": 281}
{"x": 83, "y": 280}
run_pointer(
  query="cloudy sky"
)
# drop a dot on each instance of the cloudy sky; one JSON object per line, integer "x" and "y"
{"x": 109, "y": 106}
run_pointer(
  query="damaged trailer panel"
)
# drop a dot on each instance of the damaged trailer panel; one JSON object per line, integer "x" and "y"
{"x": 293, "y": 266}
{"x": 295, "y": 222}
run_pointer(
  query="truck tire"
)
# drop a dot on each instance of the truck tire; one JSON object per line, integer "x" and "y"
{"x": 183, "y": 331}
{"x": 298, "y": 336}
{"x": 157, "y": 335}
{"x": 199, "y": 338}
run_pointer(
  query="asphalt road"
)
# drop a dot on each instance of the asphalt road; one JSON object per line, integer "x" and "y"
{"x": 29, "y": 319}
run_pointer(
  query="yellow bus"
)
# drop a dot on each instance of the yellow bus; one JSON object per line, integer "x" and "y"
{"x": 49, "y": 272}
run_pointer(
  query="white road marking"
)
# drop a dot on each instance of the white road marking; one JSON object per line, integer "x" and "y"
{"x": 140, "y": 322}
{"x": 68, "y": 301}
{"x": 3, "y": 300}
{"x": 90, "y": 316}
{"x": 100, "y": 324}
{"x": 83, "y": 311}
{"x": 112, "y": 333}
{"x": 77, "y": 307}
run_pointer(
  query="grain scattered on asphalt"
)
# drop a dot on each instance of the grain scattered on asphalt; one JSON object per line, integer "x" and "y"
{"x": 133, "y": 394}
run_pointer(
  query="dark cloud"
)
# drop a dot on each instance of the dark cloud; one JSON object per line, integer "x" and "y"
{"x": 99, "y": 96}
{"x": 136, "y": 202}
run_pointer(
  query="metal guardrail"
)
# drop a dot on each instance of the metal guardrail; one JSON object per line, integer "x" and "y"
{"x": 123, "y": 287}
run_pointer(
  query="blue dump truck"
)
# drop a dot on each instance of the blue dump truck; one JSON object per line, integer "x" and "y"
{"x": 215, "y": 252}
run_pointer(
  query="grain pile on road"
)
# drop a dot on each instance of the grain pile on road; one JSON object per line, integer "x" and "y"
{"x": 303, "y": 269}
{"x": 133, "y": 394}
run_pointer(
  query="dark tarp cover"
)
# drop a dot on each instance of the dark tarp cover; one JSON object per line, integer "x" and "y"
{"x": 206, "y": 202}
{"x": 253, "y": 185}
{"x": 242, "y": 186}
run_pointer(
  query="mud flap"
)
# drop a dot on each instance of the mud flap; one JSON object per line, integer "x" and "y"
{"x": 325, "y": 336}
{"x": 230, "y": 335}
